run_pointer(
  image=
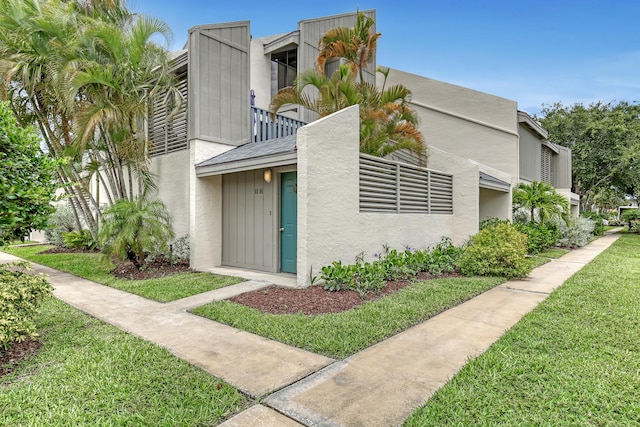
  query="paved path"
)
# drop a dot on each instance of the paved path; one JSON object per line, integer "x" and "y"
{"x": 378, "y": 386}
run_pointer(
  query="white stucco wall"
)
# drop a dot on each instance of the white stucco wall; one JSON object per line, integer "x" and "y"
{"x": 260, "y": 74}
{"x": 330, "y": 225}
{"x": 171, "y": 174}
{"x": 205, "y": 207}
{"x": 465, "y": 122}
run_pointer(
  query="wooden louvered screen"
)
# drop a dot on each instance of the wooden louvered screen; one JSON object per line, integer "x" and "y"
{"x": 167, "y": 125}
{"x": 388, "y": 186}
{"x": 546, "y": 172}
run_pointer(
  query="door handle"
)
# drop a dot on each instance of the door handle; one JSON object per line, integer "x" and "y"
{"x": 281, "y": 229}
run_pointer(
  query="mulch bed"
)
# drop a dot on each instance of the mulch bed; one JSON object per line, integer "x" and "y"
{"x": 314, "y": 299}
{"x": 9, "y": 359}
{"x": 63, "y": 250}
{"x": 159, "y": 268}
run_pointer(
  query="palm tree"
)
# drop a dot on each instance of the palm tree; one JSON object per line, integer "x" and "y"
{"x": 356, "y": 45}
{"x": 84, "y": 75}
{"x": 387, "y": 124}
{"x": 542, "y": 198}
{"x": 133, "y": 228}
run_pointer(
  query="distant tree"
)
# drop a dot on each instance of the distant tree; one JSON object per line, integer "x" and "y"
{"x": 27, "y": 179}
{"x": 540, "y": 198}
{"x": 605, "y": 143}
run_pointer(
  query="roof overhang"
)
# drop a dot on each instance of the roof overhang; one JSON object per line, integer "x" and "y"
{"x": 248, "y": 164}
{"x": 284, "y": 42}
{"x": 551, "y": 146}
{"x": 491, "y": 183}
{"x": 533, "y": 125}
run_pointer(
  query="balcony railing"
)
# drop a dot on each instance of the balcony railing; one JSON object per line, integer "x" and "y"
{"x": 263, "y": 128}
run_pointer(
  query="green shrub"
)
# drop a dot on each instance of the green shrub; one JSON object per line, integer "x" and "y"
{"x": 20, "y": 296}
{"x": 577, "y": 233}
{"x": 338, "y": 276}
{"x": 442, "y": 259}
{"x": 369, "y": 277}
{"x": 79, "y": 240}
{"x": 539, "y": 236}
{"x": 61, "y": 221}
{"x": 631, "y": 216}
{"x": 598, "y": 229}
{"x": 498, "y": 250}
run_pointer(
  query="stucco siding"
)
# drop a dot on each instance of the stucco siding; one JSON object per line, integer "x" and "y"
{"x": 330, "y": 225}
{"x": 464, "y": 122}
{"x": 171, "y": 173}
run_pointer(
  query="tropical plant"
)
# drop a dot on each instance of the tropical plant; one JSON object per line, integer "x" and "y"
{"x": 133, "y": 228}
{"x": 27, "y": 184}
{"x": 387, "y": 123}
{"x": 630, "y": 216}
{"x": 61, "y": 221}
{"x": 356, "y": 45}
{"x": 83, "y": 71}
{"x": 541, "y": 198}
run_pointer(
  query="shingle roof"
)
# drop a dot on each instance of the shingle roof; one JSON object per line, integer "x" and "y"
{"x": 254, "y": 150}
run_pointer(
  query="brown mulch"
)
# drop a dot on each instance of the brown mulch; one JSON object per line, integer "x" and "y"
{"x": 154, "y": 270}
{"x": 63, "y": 250}
{"x": 314, "y": 299}
{"x": 9, "y": 359}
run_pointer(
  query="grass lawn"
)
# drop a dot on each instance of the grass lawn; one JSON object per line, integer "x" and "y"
{"x": 89, "y": 266}
{"x": 339, "y": 335}
{"x": 574, "y": 360}
{"x": 89, "y": 373}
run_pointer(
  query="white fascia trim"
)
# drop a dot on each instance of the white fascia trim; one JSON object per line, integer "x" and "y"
{"x": 249, "y": 164}
{"x": 494, "y": 186}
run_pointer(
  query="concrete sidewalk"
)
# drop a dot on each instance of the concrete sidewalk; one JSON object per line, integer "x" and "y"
{"x": 381, "y": 385}
{"x": 251, "y": 363}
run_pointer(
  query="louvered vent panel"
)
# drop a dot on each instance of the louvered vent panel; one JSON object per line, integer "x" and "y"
{"x": 389, "y": 186}
{"x": 168, "y": 125}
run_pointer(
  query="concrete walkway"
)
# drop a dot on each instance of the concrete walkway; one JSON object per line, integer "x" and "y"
{"x": 381, "y": 385}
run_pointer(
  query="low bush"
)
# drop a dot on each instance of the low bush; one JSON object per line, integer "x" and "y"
{"x": 442, "y": 259}
{"x": 577, "y": 233}
{"x": 390, "y": 264}
{"x": 539, "y": 236}
{"x": 79, "y": 240}
{"x": 20, "y": 296}
{"x": 598, "y": 229}
{"x": 61, "y": 221}
{"x": 498, "y": 250}
{"x": 631, "y": 217}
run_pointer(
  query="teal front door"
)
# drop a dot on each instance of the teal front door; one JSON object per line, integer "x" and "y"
{"x": 288, "y": 221}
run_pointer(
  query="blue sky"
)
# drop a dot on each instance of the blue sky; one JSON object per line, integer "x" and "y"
{"x": 533, "y": 52}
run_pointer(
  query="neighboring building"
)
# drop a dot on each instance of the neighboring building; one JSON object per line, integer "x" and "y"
{"x": 282, "y": 196}
{"x": 542, "y": 160}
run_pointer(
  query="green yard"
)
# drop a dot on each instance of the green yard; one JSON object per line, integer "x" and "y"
{"x": 574, "y": 360}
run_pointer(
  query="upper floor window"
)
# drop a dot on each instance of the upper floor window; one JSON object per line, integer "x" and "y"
{"x": 284, "y": 68}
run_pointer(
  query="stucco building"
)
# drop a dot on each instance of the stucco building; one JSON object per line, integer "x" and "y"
{"x": 294, "y": 194}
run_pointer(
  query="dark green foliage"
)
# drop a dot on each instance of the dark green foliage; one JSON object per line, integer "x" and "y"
{"x": 79, "y": 240}
{"x": 498, "y": 250}
{"x": 20, "y": 296}
{"x": 390, "y": 265}
{"x": 540, "y": 236}
{"x": 631, "y": 217}
{"x": 605, "y": 141}
{"x": 26, "y": 179}
{"x": 598, "y": 228}
{"x": 134, "y": 228}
